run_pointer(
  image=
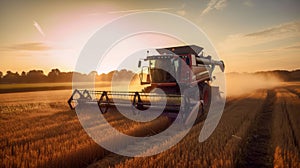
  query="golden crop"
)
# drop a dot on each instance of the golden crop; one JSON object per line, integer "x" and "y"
{"x": 40, "y": 131}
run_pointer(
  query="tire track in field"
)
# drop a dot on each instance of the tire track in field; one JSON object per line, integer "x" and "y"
{"x": 257, "y": 146}
{"x": 286, "y": 113}
{"x": 293, "y": 91}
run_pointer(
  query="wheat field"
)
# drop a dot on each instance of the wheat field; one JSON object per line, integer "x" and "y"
{"x": 256, "y": 129}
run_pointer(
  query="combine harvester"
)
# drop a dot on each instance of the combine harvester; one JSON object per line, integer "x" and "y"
{"x": 174, "y": 71}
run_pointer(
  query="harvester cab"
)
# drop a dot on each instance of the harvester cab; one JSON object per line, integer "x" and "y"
{"x": 174, "y": 70}
{"x": 185, "y": 65}
{"x": 192, "y": 56}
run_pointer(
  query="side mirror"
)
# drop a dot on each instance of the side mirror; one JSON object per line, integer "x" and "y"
{"x": 222, "y": 66}
{"x": 140, "y": 63}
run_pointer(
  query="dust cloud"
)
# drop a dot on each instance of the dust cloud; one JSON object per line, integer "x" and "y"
{"x": 130, "y": 84}
{"x": 244, "y": 83}
{"x": 237, "y": 84}
{"x": 135, "y": 84}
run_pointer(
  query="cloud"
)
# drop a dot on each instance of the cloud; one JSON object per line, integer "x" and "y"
{"x": 38, "y": 27}
{"x": 139, "y": 10}
{"x": 221, "y": 4}
{"x": 283, "y": 29}
{"x": 30, "y": 46}
{"x": 293, "y": 47}
{"x": 214, "y": 5}
{"x": 248, "y": 3}
{"x": 271, "y": 34}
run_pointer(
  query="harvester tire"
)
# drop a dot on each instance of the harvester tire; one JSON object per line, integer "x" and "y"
{"x": 206, "y": 97}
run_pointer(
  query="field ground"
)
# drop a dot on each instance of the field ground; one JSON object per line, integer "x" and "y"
{"x": 260, "y": 129}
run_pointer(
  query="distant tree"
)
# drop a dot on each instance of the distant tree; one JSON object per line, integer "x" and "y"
{"x": 11, "y": 77}
{"x": 1, "y": 74}
{"x": 103, "y": 77}
{"x": 76, "y": 76}
{"x": 92, "y": 75}
{"x": 36, "y": 76}
{"x": 123, "y": 75}
{"x": 54, "y": 75}
{"x": 110, "y": 75}
{"x": 65, "y": 77}
{"x": 23, "y": 77}
{"x": 23, "y": 74}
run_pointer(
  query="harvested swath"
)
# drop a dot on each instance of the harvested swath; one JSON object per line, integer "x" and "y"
{"x": 286, "y": 126}
{"x": 190, "y": 153}
{"x": 257, "y": 151}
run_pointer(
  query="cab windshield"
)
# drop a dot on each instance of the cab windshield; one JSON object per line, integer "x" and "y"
{"x": 164, "y": 70}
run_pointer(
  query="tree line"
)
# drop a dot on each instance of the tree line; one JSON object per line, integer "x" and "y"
{"x": 55, "y": 75}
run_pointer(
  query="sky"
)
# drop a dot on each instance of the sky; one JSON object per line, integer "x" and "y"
{"x": 249, "y": 35}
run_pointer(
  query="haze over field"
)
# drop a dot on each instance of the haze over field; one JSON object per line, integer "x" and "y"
{"x": 241, "y": 84}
